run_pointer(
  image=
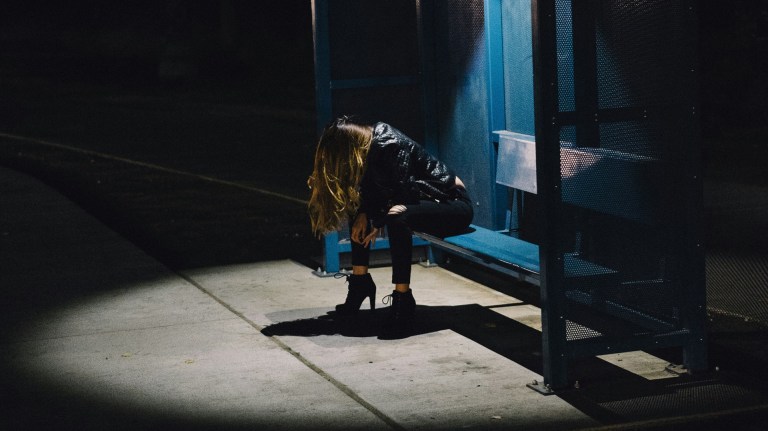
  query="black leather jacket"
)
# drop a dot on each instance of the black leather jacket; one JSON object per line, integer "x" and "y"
{"x": 400, "y": 171}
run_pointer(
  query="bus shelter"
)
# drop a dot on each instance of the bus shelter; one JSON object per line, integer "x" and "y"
{"x": 574, "y": 125}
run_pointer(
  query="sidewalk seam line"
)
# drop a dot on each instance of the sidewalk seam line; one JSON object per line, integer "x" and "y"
{"x": 152, "y": 166}
{"x": 340, "y": 386}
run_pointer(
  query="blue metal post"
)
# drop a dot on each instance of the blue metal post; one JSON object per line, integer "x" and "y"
{"x": 549, "y": 188}
{"x": 496, "y": 102}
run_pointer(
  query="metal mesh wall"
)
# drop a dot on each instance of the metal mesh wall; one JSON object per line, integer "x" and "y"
{"x": 518, "y": 66}
{"x": 638, "y": 43}
{"x": 628, "y": 166}
{"x": 460, "y": 74}
{"x": 372, "y": 38}
{"x": 373, "y": 62}
{"x": 401, "y": 106}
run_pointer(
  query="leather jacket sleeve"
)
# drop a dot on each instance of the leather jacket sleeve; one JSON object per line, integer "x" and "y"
{"x": 394, "y": 167}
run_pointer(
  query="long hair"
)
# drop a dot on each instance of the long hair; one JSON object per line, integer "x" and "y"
{"x": 338, "y": 170}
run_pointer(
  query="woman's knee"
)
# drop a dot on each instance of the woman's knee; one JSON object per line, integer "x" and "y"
{"x": 397, "y": 210}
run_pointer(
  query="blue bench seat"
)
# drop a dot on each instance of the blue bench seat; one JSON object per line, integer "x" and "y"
{"x": 503, "y": 248}
{"x": 514, "y": 256}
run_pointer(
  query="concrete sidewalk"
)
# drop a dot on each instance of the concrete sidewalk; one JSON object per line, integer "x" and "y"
{"x": 98, "y": 335}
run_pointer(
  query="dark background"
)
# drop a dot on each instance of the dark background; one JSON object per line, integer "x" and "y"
{"x": 224, "y": 89}
{"x": 168, "y": 119}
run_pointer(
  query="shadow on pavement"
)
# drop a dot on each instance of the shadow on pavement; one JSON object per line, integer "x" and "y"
{"x": 606, "y": 393}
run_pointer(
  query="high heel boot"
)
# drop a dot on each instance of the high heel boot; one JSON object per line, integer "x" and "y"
{"x": 401, "y": 313}
{"x": 360, "y": 287}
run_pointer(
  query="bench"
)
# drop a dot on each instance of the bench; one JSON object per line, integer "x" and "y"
{"x": 586, "y": 283}
{"x": 506, "y": 254}
{"x": 500, "y": 250}
{"x": 516, "y": 169}
{"x": 633, "y": 195}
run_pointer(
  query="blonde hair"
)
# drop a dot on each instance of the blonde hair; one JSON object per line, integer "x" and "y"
{"x": 338, "y": 171}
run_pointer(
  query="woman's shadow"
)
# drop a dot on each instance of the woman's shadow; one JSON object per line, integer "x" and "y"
{"x": 482, "y": 325}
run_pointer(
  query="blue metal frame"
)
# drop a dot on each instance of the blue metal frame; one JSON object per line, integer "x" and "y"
{"x": 494, "y": 42}
{"x": 548, "y": 176}
{"x": 494, "y": 45}
{"x": 334, "y": 246}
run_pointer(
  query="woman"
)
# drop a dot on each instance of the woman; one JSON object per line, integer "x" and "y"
{"x": 375, "y": 176}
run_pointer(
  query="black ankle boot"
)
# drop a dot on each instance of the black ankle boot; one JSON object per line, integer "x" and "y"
{"x": 360, "y": 287}
{"x": 401, "y": 313}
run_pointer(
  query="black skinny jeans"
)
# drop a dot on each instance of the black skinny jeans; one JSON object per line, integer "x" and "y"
{"x": 435, "y": 218}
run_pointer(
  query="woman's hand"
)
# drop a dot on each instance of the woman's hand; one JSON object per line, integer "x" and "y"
{"x": 359, "y": 228}
{"x": 371, "y": 237}
{"x": 360, "y": 232}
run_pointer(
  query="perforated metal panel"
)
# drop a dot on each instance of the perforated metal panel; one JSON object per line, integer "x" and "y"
{"x": 621, "y": 189}
{"x": 367, "y": 62}
{"x": 370, "y": 38}
{"x": 639, "y": 44}
{"x": 518, "y": 65}
{"x": 620, "y": 134}
{"x": 400, "y": 106}
{"x": 460, "y": 72}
